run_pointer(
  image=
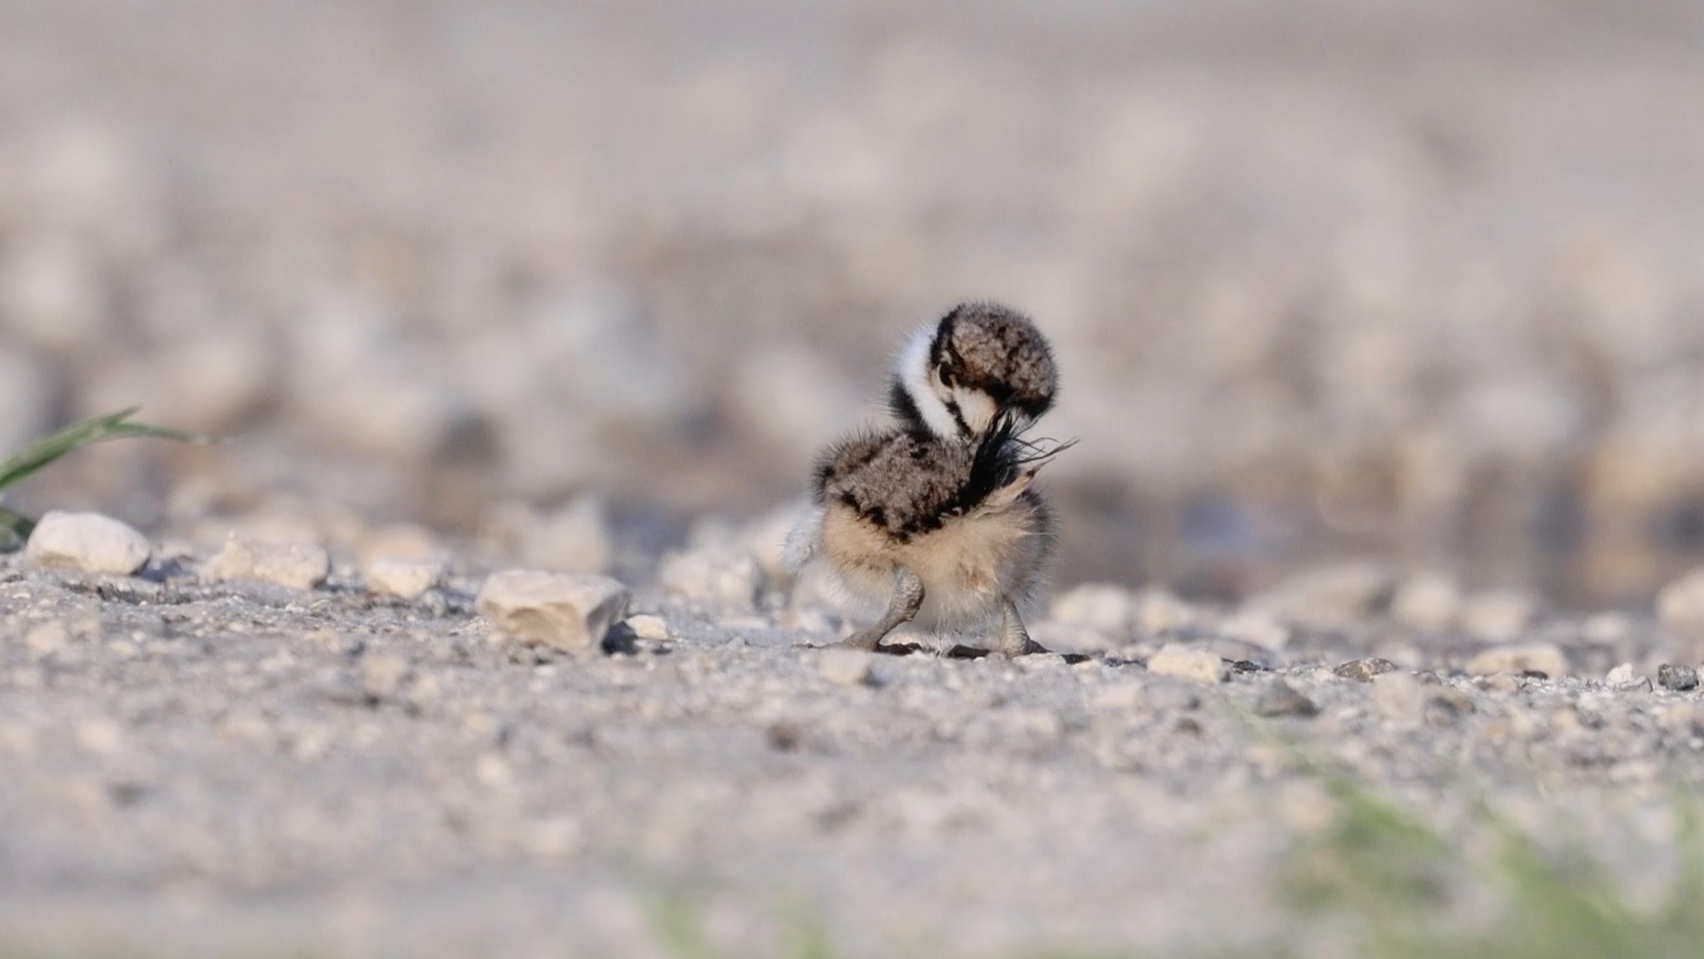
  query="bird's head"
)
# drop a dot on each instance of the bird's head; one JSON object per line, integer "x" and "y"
{"x": 978, "y": 365}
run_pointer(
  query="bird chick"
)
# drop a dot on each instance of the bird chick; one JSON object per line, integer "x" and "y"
{"x": 934, "y": 514}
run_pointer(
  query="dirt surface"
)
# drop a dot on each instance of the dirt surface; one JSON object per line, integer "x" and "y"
{"x": 585, "y": 286}
{"x": 245, "y": 769}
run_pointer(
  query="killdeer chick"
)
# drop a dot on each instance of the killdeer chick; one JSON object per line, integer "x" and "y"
{"x": 934, "y": 514}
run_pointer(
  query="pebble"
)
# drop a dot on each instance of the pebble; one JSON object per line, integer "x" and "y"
{"x": 1678, "y": 678}
{"x": 567, "y": 611}
{"x": 648, "y": 626}
{"x": 1279, "y": 698}
{"x": 846, "y": 667}
{"x": 1543, "y": 658}
{"x": 1189, "y": 662}
{"x": 292, "y": 565}
{"x": 1364, "y": 670}
{"x": 403, "y": 578}
{"x": 1620, "y": 675}
{"x": 88, "y": 542}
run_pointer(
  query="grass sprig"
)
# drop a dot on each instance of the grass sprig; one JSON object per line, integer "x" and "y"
{"x": 15, "y": 527}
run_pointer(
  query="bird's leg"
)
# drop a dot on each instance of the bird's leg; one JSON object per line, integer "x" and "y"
{"x": 1014, "y": 639}
{"x": 907, "y": 599}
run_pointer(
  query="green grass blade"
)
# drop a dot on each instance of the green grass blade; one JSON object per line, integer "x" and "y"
{"x": 96, "y": 429}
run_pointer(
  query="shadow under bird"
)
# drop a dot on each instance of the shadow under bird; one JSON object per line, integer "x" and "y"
{"x": 934, "y": 514}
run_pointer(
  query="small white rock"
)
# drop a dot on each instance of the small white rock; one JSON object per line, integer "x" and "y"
{"x": 1620, "y": 675}
{"x": 295, "y": 565}
{"x": 87, "y": 541}
{"x": 1189, "y": 662}
{"x": 568, "y": 611}
{"x": 1543, "y": 658}
{"x": 403, "y": 578}
{"x": 647, "y": 626}
{"x": 847, "y": 667}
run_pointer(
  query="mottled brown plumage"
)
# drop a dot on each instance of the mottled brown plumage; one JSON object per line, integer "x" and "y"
{"x": 935, "y": 513}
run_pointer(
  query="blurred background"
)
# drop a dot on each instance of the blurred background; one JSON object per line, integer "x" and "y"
{"x": 1421, "y": 283}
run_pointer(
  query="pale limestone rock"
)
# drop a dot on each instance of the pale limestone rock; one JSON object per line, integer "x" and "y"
{"x": 647, "y": 626}
{"x": 1620, "y": 675}
{"x": 88, "y": 542}
{"x": 567, "y": 611}
{"x": 1189, "y": 662}
{"x": 293, "y": 565}
{"x": 403, "y": 578}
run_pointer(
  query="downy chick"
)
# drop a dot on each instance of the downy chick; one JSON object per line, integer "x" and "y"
{"x": 934, "y": 514}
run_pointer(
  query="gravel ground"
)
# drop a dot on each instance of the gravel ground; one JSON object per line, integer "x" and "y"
{"x": 238, "y": 767}
{"x": 583, "y": 286}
